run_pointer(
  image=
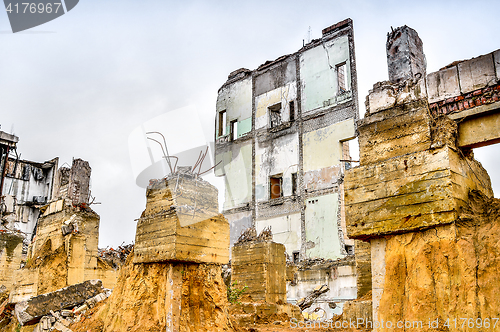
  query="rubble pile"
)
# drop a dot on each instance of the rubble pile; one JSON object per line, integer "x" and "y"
{"x": 62, "y": 319}
{"x": 115, "y": 257}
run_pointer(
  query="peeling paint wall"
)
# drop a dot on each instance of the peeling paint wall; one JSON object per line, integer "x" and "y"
{"x": 283, "y": 96}
{"x": 279, "y": 156}
{"x": 286, "y": 230}
{"x": 318, "y": 72}
{"x": 236, "y": 100}
{"x": 236, "y": 167}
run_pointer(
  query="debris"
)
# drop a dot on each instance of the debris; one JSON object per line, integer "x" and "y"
{"x": 250, "y": 235}
{"x": 116, "y": 258}
{"x": 307, "y": 301}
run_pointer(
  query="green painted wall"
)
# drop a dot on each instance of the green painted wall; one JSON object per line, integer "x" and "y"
{"x": 321, "y": 227}
{"x": 319, "y": 75}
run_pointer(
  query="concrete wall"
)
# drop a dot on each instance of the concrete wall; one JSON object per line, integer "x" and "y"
{"x": 236, "y": 166}
{"x": 464, "y": 77}
{"x": 282, "y": 95}
{"x": 28, "y": 185}
{"x": 11, "y": 247}
{"x": 286, "y": 230}
{"x": 236, "y": 100}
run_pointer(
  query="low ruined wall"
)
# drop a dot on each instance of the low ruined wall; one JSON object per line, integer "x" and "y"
{"x": 158, "y": 296}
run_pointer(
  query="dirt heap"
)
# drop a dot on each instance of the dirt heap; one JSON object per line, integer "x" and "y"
{"x": 446, "y": 272}
{"x": 143, "y": 299}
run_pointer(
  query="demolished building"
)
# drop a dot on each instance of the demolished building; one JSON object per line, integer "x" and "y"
{"x": 281, "y": 147}
{"x": 49, "y": 234}
{"x": 64, "y": 250}
{"x": 419, "y": 203}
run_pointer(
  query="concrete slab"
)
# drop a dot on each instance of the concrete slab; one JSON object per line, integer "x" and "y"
{"x": 443, "y": 84}
{"x": 31, "y": 311}
{"x": 476, "y": 73}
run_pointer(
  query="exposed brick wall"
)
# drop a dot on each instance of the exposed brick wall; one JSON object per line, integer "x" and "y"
{"x": 475, "y": 98}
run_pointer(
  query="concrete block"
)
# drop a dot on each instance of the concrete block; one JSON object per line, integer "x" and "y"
{"x": 496, "y": 60}
{"x": 59, "y": 205}
{"x": 476, "y": 73}
{"x": 381, "y": 98}
{"x": 9, "y": 201}
{"x": 443, "y": 84}
{"x": 30, "y": 312}
{"x": 409, "y": 192}
{"x": 182, "y": 223}
{"x": 262, "y": 268}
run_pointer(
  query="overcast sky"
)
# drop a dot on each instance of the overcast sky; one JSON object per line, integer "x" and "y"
{"x": 79, "y": 85}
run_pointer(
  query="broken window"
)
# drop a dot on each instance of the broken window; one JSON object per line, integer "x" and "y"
{"x": 292, "y": 111}
{"x": 275, "y": 115}
{"x": 342, "y": 78}
{"x": 222, "y": 123}
{"x": 349, "y": 249}
{"x": 294, "y": 184}
{"x": 275, "y": 188}
{"x": 233, "y": 126}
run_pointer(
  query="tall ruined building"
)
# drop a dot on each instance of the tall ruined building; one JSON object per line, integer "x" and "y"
{"x": 281, "y": 145}
{"x": 281, "y": 133}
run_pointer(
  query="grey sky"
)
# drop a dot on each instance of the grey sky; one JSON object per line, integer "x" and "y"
{"x": 77, "y": 86}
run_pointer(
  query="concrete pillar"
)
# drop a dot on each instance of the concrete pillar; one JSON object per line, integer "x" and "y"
{"x": 405, "y": 55}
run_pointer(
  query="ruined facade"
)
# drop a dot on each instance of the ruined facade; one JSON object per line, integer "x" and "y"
{"x": 419, "y": 200}
{"x": 26, "y": 186}
{"x": 280, "y": 141}
{"x": 64, "y": 248}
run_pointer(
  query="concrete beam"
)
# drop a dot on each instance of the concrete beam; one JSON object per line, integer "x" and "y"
{"x": 479, "y": 126}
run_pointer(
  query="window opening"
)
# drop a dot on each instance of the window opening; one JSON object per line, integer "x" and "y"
{"x": 341, "y": 77}
{"x": 234, "y": 129}
{"x": 275, "y": 188}
{"x": 222, "y": 123}
{"x": 275, "y": 115}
